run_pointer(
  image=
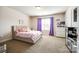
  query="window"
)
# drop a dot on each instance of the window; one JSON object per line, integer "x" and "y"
{"x": 45, "y": 23}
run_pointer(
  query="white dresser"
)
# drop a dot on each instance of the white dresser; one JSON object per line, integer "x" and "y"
{"x": 60, "y": 31}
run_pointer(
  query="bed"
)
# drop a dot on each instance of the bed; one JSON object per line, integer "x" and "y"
{"x": 23, "y": 33}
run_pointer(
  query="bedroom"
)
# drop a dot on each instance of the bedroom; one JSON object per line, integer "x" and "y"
{"x": 48, "y": 20}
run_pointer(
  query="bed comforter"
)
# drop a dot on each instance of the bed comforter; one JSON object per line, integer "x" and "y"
{"x": 33, "y": 35}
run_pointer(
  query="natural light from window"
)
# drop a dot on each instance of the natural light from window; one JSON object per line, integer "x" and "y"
{"x": 46, "y": 24}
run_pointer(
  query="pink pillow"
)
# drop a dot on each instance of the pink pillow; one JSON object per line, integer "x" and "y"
{"x": 24, "y": 30}
{"x": 18, "y": 30}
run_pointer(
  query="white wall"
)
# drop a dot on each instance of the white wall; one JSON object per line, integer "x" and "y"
{"x": 9, "y": 17}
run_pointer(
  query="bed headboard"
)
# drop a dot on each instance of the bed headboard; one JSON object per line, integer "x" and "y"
{"x": 14, "y": 28}
{"x": 18, "y": 27}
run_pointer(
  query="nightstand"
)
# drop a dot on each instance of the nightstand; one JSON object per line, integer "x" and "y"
{"x": 3, "y": 45}
{"x": 3, "y": 48}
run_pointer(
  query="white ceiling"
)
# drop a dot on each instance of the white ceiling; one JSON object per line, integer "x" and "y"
{"x": 45, "y": 10}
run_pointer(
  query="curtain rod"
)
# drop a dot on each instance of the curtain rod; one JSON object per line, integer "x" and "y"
{"x": 45, "y": 17}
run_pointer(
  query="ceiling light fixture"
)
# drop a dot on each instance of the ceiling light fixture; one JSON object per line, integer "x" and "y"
{"x": 37, "y": 7}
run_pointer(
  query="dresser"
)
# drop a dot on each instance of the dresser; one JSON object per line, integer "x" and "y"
{"x": 60, "y": 32}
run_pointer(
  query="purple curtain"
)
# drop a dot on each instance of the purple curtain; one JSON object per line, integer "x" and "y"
{"x": 39, "y": 24}
{"x": 51, "y": 27}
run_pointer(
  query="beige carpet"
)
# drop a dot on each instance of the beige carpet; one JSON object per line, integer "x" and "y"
{"x": 47, "y": 44}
